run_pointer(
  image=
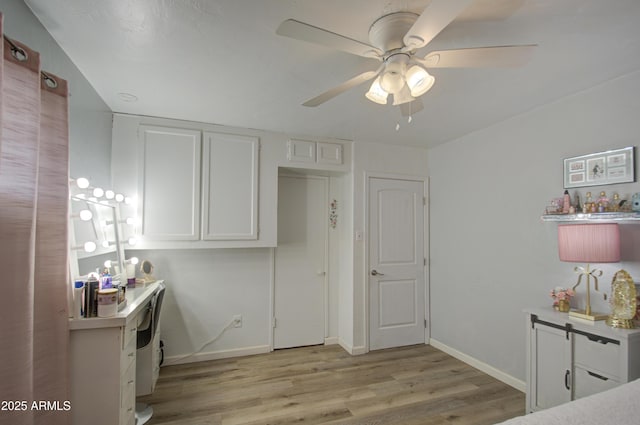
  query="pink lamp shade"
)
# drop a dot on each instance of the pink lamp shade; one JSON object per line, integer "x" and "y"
{"x": 589, "y": 243}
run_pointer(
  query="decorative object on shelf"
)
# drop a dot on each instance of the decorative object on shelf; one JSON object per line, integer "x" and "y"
{"x": 614, "y": 166}
{"x": 588, "y": 243}
{"x": 623, "y": 301}
{"x": 566, "y": 202}
{"x": 635, "y": 202}
{"x": 333, "y": 215}
{"x": 562, "y": 298}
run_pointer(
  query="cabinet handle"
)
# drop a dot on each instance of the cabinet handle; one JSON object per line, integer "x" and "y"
{"x": 130, "y": 382}
{"x": 133, "y": 329}
{"x": 567, "y": 374}
{"x": 595, "y": 375}
{"x": 131, "y": 354}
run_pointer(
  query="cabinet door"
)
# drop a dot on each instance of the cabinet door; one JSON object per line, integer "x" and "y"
{"x": 230, "y": 187}
{"x": 301, "y": 151}
{"x": 551, "y": 376}
{"x": 329, "y": 153}
{"x": 170, "y": 183}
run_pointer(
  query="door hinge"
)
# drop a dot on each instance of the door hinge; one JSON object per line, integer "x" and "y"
{"x": 425, "y": 323}
{"x": 424, "y": 200}
{"x": 274, "y": 322}
{"x": 424, "y": 263}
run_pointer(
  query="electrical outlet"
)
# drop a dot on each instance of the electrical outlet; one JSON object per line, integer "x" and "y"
{"x": 237, "y": 321}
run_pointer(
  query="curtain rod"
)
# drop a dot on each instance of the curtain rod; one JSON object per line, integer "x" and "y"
{"x": 21, "y": 55}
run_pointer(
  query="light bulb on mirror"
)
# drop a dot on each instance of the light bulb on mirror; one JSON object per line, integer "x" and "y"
{"x": 82, "y": 183}
{"x": 85, "y": 215}
{"x": 89, "y": 246}
{"x": 128, "y": 200}
{"x": 107, "y": 244}
{"x": 98, "y": 192}
{"x": 132, "y": 241}
{"x": 109, "y": 194}
{"x": 131, "y": 221}
{"x": 119, "y": 197}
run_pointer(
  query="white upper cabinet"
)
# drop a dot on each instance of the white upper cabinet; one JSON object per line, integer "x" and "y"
{"x": 329, "y": 153}
{"x": 301, "y": 151}
{"x": 315, "y": 155}
{"x": 169, "y": 182}
{"x": 230, "y": 187}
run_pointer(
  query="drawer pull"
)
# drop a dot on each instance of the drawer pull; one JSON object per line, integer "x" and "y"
{"x": 595, "y": 375}
{"x": 596, "y": 338}
{"x": 133, "y": 329}
{"x": 567, "y": 374}
{"x": 131, "y": 354}
{"x": 130, "y": 382}
{"x": 130, "y": 409}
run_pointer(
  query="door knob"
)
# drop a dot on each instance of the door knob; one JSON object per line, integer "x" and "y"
{"x": 374, "y": 272}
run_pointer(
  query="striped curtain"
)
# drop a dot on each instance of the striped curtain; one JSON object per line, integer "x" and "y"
{"x": 34, "y": 181}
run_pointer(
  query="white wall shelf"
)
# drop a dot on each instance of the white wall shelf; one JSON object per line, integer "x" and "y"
{"x": 593, "y": 217}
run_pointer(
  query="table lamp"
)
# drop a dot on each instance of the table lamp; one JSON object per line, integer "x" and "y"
{"x": 588, "y": 243}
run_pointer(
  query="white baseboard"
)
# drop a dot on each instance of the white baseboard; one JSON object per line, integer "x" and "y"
{"x": 215, "y": 355}
{"x": 332, "y": 340}
{"x": 361, "y": 349}
{"x": 488, "y": 369}
{"x": 354, "y": 351}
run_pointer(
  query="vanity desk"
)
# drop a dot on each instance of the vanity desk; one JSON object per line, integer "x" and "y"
{"x": 103, "y": 362}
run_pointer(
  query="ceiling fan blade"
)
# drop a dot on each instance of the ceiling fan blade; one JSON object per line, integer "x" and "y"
{"x": 480, "y": 57}
{"x": 410, "y": 108}
{"x": 305, "y": 32}
{"x": 434, "y": 18}
{"x": 330, "y": 94}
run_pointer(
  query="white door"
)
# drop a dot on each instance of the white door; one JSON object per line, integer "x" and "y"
{"x": 396, "y": 263}
{"x": 300, "y": 268}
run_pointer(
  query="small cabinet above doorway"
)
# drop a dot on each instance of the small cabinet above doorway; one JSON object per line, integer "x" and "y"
{"x": 314, "y": 152}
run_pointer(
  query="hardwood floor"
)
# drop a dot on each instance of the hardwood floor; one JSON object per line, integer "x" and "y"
{"x": 325, "y": 385}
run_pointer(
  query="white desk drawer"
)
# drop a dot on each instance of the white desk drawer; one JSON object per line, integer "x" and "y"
{"x": 588, "y": 382}
{"x": 130, "y": 332}
{"x": 597, "y": 354}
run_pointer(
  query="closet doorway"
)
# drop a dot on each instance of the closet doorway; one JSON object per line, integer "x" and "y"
{"x": 301, "y": 261}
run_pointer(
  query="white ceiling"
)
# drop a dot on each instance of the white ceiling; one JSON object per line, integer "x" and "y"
{"x": 220, "y": 61}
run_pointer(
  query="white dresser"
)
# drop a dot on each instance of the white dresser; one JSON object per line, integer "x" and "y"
{"x": 570, "y": 358}
{"x": 103, "y": 363}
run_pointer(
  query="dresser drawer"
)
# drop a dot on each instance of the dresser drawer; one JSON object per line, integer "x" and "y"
{"x": 128, "y": 356}
{"x": 128, "y": 395}
{"x": 587, "y": 382}
{"x": 130, "y": 332}
{"x": 597, "y": 354}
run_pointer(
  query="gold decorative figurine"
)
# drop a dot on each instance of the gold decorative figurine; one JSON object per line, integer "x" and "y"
{"x": 623, "y": 301}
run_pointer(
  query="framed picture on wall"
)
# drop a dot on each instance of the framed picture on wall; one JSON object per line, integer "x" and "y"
{"x": 615, "y": 166}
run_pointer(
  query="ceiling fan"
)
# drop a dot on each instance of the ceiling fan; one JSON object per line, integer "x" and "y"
{"x": 394, "y": 40}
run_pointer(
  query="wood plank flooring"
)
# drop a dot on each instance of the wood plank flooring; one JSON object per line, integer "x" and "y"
{"x": 325, "y": 385}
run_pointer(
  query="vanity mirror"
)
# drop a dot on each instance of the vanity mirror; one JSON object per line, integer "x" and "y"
{"x": 97, "y": 232}
{"x": 95, "y": 237}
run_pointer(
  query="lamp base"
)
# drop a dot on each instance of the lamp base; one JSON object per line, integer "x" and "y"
{"x": 582, "y": 314}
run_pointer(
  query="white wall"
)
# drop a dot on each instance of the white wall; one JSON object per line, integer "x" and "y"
{"x": 491, "y": 256}
{"x": 89, "y": 116}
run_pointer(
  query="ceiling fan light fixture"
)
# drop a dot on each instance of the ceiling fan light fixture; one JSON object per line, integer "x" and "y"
{"x": 402, "y": 96}
{"x": 391, "y": 81}
{"x": 419, "y": 80}
{"x": 376, "y": 93}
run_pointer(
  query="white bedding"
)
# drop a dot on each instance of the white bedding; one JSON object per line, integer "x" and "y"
{"x": 618, "y": 406}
